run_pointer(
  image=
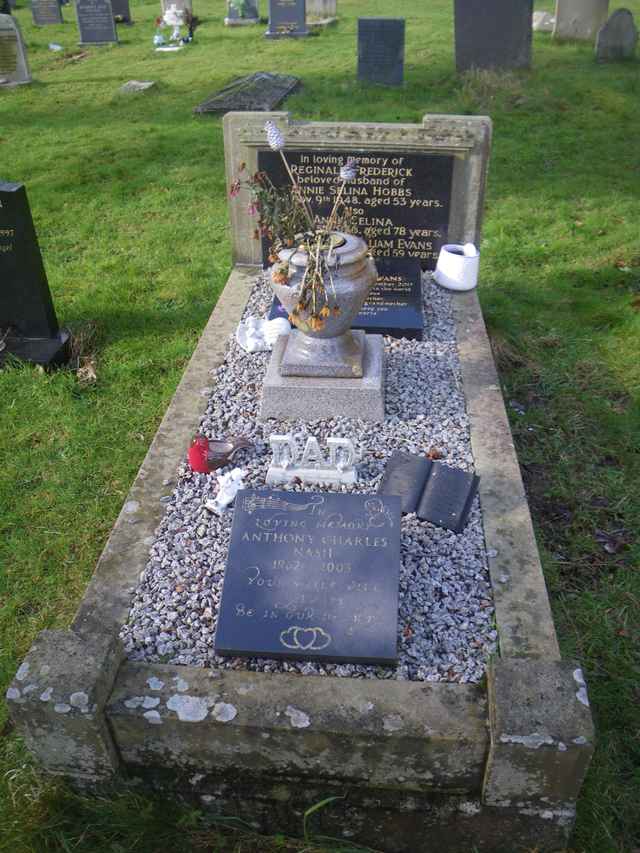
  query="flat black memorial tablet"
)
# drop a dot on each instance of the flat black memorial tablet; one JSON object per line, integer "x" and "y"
{"x": 312, "y": 577}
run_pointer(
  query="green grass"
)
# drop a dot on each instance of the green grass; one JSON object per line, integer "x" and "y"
{"x": 128, "y": 197}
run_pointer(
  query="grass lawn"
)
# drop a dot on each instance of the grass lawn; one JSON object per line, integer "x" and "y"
{"x": 128, "y": 197}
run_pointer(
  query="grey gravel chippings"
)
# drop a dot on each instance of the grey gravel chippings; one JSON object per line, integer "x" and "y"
{"x": 445, "y": 623}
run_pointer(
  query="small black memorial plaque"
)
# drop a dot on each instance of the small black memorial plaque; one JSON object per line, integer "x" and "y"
{"x": 28, "y": 325}
{"x": 287, "y": 18}
{"x": 312, "y": 577}
{"x": 46, "y": 12}
{"x": 96, "y": 22}
{"x": 381, "y": 50}
{"x": 394, "y": 304}
{"x": 493, "y": 33}
{"x": 121, "y": 11}
{"x": 401, "y": 200}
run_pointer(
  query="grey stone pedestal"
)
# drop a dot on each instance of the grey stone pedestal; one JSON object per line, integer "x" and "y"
{"x": 312, "y": 398}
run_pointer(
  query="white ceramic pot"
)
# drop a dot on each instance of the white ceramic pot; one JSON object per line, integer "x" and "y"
{"x": 458, "y": 267}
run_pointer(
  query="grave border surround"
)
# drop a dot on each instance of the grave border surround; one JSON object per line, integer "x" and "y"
{"x": 459, "y": 764}
{"x": 467, "y": 138}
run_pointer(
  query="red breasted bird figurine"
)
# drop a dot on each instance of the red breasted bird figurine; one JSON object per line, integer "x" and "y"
{"x": 206, "y": 455}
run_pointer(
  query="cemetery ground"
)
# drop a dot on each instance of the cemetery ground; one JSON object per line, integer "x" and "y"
{"x": 128, "y": 197}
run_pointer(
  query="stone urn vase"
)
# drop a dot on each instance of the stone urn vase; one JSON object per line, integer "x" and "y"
{"x": 334, "y": 350}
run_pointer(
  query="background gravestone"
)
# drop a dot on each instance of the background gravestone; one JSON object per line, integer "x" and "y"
{"x": 181, "y": 5}
{"x": 96, "y": 22}
{"x": 240, "y": 12}
{"x": 580, "y": 19}
{"x": 322, "y": 8}
{"x": 381, "y": 50}
{"x": 46, "y": 12}
{"x": 287, "y": 18}
{"x": 121, "y": 11}
{"x": 493, "y": 34}
{"x": 14, "y": 68}
{"x": 618, "y": 38}
{"x": 312, "y": 577}
{"x": 28, "y": 325}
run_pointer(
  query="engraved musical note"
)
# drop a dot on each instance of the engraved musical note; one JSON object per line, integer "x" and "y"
{"x": 255, "y": 502}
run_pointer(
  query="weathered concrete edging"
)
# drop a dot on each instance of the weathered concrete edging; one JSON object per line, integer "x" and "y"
{"x": 414, "y": 764}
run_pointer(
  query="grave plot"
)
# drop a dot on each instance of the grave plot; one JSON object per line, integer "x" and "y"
{"x": 433, "y": 751}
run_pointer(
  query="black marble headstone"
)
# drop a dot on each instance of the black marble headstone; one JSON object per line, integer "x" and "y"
{"x": 258, "y": 92}
{"x": 312, "y": 577}
{"x": 401, "y": 200}
{"x": 121, "y": 11}
{"x": 287, "y": 18}
{"x": 96, "y": 22}
{"x": 46, "y": 12}
{"x": 493, "y": 33}
{"x": 381, "y": 50}
{"x": 28, "y": 325}
{"x": 394, "y": 304}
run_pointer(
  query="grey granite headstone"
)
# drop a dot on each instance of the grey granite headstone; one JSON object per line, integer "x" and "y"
{"x": 287, "y": 18}
{"x": 262, "y": 91}
{"x": 121, "y": 11}
{"x": 96, "y": 22}
{"x": 28, "y": 325}
{"x": 618, "y": 38}
{"x": 580, "y": 19}
{"x": 14, "y": 68}
{"x": 241, "y": 12}
{"x": 381, "y": 50}
{"x": 493, "y": 34}
{"x": 46, "y": 12}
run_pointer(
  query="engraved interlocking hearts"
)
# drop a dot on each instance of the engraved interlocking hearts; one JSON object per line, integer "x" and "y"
{"x": 305, "y": 639}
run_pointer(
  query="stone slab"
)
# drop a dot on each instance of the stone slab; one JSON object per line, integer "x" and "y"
{"x": 466, "y": 140}
{"x": 262, "y": 90}
{"x": 311, "y": 576}
{"x": 381, "y": 51}
{"x": 580, "y": 19}
{"x": 96, "y": 22}
{"x": 293, "y": 397}
{"x": 618, "y": 38}
{"x": 14, "y": 67}
{"x": 493, "y": 34}
{"x": 46, "y": 12}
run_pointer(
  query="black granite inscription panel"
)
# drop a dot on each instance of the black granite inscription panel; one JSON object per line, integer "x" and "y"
{"x": 25, "y": 300}
{"x": 96, "y": 22}
{"x": 400, "y": 202}
{"x": 46, "y": 12}
{"x": 312, "y": 577}
{"x": 394, "y": 304}
{"x": 493, "y": 33}
{"x": 381, "y": 50}
{"x": 287, "y": 18}
{"x": 8, "y": 52}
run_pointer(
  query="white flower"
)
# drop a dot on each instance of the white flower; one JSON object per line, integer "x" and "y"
{"x": 349, "y": 172}
{"x": 274, "y": 136}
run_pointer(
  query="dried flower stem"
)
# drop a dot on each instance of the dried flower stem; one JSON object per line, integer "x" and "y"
{"x": 298, "y": 192}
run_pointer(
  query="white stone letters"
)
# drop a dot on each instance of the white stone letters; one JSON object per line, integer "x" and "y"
{"x": 311, "y": 466}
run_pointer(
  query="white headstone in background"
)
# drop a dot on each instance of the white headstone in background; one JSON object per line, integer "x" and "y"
{"x": 322, "y": 8}
{"x": 14, "y": 68}
{"x": 543, "y": 22}
{"x": 580, "y": 19}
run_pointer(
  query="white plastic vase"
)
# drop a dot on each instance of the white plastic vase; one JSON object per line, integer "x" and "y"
{"x": 458, "y": 266}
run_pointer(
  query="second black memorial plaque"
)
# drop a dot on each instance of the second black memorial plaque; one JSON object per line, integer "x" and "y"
{"x": 312, "y": 577}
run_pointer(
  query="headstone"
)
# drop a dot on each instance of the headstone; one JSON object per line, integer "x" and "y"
{"x": 381, "y": 51}
{"x": 421, "y": 185}
{"x": 321, "y": 9}
{"x": 401, "y": 200}
{"x": 96, "y": 22}
{"x": 14, "y": 68}
{"x": 394, "y": 303}
{"x": 255, "y": 92}
{"x": 5, "y": 7}
{"x": 543, "y": 22}
{"x": 46, "y": 12}
{"x": 493, "y": 34}
{"x": 580, "y": 19}
{"x": 287, "y": 18}
{"x": 312, "y": 577}
{"x": 618, "y": 38}
{"x": 311, "y": 465}
{"x": 242, "y": 12}
{"x": 121, "y": 11}
{"x": 28, "y": 325}
{"x": 181, "y": 5}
